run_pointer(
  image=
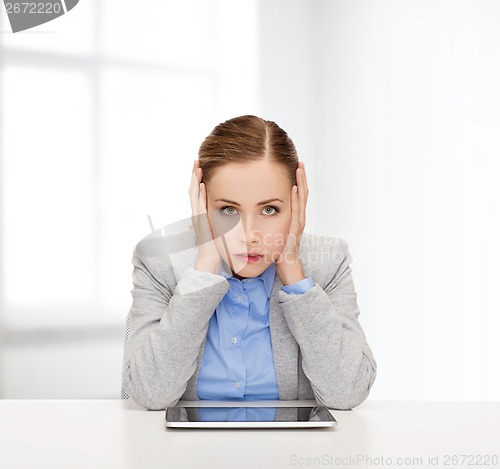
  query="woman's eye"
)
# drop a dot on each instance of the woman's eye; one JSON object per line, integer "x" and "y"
{"x": 223, "y": 210}
{"x": 269, "y": 210}
{"x": 272, "y": 208}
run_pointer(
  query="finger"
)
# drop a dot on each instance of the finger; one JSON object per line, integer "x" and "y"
{"x": 294, "y": 225}
{"x": 304, "y": 177}
{"x": 194, "y": 191}
{"x": 202, "y": 199}
{"x": 302, "y": 195}
{"x": 205, "y": 230}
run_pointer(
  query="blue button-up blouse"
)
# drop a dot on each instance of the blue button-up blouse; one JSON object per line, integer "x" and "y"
{"x": 238, "y": 359}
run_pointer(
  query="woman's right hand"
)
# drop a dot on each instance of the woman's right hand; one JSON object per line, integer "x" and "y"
{"x": 208, "y": 257}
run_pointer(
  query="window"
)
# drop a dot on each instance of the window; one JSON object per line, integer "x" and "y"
{"x": 102, "y": 112}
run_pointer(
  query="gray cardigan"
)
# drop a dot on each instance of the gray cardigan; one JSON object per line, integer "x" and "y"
{"x": 319, "y": 348}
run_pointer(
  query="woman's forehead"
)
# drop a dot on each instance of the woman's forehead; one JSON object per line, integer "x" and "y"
{"x": 253, "y": 178}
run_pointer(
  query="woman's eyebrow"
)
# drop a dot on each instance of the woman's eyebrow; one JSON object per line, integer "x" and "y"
{"x": 264, "y": 202}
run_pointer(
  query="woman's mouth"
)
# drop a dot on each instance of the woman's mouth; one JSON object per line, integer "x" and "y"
{"x": 250, "y": 258}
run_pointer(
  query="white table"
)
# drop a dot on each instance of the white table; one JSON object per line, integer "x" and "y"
{"x": 108, "y": 434}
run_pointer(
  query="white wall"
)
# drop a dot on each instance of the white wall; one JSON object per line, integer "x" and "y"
{"x": 393, "y": 105}
{"x": 396, "y": 109}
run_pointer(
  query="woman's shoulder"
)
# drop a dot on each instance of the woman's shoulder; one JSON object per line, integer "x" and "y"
{"x": 323, "y": 255}
{"x": 166, "y": 253}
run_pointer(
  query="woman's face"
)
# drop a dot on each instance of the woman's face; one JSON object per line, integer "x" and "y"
{"x": 239, "y": 221}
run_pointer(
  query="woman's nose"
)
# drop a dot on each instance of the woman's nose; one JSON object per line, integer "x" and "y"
{"x": 249, "y": 232}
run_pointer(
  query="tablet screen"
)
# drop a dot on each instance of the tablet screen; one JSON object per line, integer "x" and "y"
{"x": 249, "y": 416}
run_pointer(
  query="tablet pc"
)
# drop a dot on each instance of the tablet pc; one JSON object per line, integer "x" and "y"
{"x": 249, "y": 417}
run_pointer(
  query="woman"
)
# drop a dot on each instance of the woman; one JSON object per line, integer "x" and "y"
{"x": 246, "y": 306}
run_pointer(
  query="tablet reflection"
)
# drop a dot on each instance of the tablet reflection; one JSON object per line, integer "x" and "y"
{"x": 237, "y": 414}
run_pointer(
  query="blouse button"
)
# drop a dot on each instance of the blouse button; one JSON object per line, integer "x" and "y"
{"x": 234, "y": 340}
{"x": 237, "y": 384}
{"x": 240, "y": 298}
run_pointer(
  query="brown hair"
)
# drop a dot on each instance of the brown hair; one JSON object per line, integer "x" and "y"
{"x": 244, "y": 139}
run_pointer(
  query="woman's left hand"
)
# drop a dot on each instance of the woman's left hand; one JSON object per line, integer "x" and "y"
{"x": 288, "y": 266}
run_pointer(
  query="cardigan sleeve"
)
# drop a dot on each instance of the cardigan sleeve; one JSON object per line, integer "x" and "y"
{"x": 336, "y": 357}
{"x": 167, "y": 329}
